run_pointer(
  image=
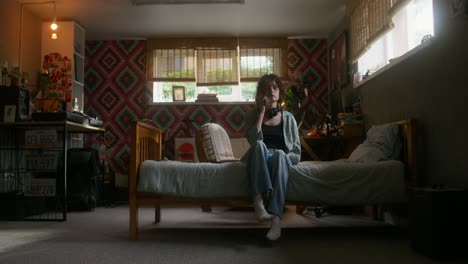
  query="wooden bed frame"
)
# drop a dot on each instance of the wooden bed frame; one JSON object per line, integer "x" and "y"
{"x": 146, "y": 144}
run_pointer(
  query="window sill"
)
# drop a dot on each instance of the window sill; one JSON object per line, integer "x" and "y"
{"x": 396, "y": 61}
{"x": 202, "y": 103}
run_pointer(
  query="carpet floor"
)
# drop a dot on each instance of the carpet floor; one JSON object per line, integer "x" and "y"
{"x": 187, "y": 235}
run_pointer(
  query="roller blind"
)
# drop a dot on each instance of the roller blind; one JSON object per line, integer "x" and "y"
{"x": 174, "y": 65}
{"x": 217, "y": 66}
{"x": 369, "y": 20}
{"x": 215, "y": 61}
{"x": 397, "y": 5}
{"x": 259, "y": 56}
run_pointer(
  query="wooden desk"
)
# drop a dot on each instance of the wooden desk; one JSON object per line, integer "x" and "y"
{"x": 329, "y": 147}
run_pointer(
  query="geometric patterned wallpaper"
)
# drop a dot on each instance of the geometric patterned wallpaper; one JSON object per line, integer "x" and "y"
{"x": 117, "y": 93}
{"x": 308, "y": 67}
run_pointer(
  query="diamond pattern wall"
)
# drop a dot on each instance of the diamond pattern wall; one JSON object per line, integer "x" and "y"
{"x": 116, "y": 92}
{"x": 308, "y": 66}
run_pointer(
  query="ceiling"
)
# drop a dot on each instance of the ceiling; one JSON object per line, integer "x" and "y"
{"x": 120, "y": 19}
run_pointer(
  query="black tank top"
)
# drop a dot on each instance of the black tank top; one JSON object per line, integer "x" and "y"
{"x": 273, "y": 137}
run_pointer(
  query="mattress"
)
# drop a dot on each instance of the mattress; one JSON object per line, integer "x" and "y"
{"x": 339, "y": 182}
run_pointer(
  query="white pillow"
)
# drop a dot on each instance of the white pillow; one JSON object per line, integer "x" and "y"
{"x": 367, "y": 152}
{"x": 382, "y": 143}
{"x": 387, "y": 136}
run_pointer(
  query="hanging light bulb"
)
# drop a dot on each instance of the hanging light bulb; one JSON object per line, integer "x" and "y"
{"x": 54, "y": 26}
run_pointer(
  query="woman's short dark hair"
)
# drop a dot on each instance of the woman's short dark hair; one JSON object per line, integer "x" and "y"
{"x": 264, "y": 84}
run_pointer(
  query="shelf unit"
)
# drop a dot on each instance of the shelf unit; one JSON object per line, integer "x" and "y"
{"x": 33, "y": 169}
{"x": 70, "y": 43}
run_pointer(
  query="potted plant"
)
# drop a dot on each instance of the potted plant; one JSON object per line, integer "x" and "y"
{"x": 293, "y": 102}
{"x": 5, "y": 74}
{"x": 15, "y": 76}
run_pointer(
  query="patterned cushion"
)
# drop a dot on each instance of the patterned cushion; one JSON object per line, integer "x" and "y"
{"x": 215, "y": 142}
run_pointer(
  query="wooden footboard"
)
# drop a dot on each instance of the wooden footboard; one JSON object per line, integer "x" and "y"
{"x": 147, "y": 145}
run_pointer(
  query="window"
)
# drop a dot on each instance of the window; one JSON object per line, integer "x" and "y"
{"x": 244, "y": 92}
{"x": 174, "y": 64}
{"x": 217, "y": 66}
{"x": 212, "y": 66}
{"x": 411, "y": 24}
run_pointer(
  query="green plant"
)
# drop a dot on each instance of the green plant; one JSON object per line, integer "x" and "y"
{"x": 5, "y": 70}
{"x": 293, "y": 100}
{"x": 5, "y": 74}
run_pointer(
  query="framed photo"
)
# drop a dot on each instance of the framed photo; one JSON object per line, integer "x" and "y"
{"x": 178, "y": 93}
{"x": 338, "y": 59}
{"x": 9, "y": 113}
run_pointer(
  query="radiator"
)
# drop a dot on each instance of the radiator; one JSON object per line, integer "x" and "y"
{"x": 239, "y": 146}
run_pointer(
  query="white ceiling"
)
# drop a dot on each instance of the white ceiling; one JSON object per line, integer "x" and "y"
{"x": 119, "y": 19}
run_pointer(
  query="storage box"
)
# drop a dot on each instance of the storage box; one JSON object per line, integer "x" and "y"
{"x": 438, "y": 222}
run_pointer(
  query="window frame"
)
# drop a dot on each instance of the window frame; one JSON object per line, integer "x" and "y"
{"x": 398, "y": 14}
{"x": 280, "y": 45}
{"x": 396, "y": 61}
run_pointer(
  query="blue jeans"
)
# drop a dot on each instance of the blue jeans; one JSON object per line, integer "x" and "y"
{"x": 268, "y": 170}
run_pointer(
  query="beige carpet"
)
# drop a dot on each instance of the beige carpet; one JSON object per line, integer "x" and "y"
{"x": 187, "y": 235}
{"x": 243, "y": 217}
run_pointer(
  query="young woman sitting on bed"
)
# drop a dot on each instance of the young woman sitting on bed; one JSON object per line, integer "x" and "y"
{"x": 274, "y": 147}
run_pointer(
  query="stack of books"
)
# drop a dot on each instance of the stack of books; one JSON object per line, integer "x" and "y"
{"x": 207, "y": 97}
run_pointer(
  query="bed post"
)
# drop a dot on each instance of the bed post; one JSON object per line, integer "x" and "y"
{"x": 146, "y": 144}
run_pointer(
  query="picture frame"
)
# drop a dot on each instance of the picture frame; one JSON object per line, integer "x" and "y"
{"x": 178, "y": 93}
{"x": 9, "y": 113}
{"x": 338, "y": 60}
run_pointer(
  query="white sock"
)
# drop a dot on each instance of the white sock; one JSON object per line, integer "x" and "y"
{"x": 275, "y": 230}
{"x": 260, "y": 213}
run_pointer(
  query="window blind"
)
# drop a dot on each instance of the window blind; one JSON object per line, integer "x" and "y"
{"x": 369, "y": 20}
{"x": 259, "y": 56}
{"x": 215, "y": 61}
{"x": 217, "y": 66}
{"x": 174, "y": 65}
{"x": 397, "y": 5}
{"x": 170, "y": 60}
